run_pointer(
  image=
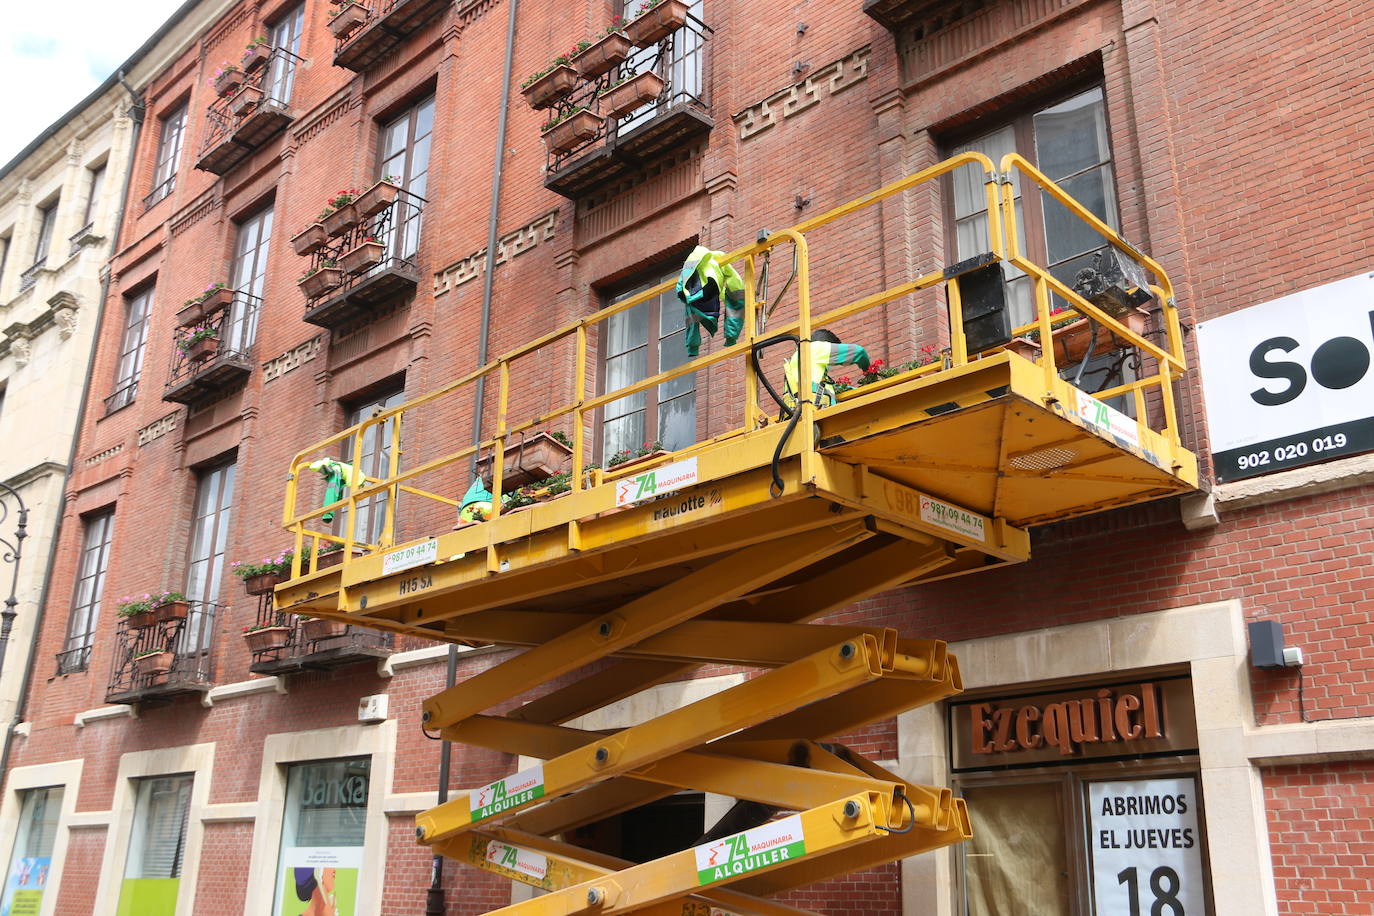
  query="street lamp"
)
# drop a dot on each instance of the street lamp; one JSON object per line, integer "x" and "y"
{"x": 12, "y": 550}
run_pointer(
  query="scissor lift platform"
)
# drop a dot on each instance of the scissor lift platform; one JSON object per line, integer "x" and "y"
{"x": 722, "y": 554}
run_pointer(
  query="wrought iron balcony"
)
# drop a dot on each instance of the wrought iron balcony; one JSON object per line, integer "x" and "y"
{"x": 620, "y": 146}
{"x": 83, "y": 236}
{"x": 29, "y": 277}
{"x": 214, "y": 353}
{"x": 163, "y": 658}
{"x": 240, "y": 124}
{"x": 387, "y": 24}
{"x": 313, "y": 644}
{"x": 74, "y": 660}
{"x": 356, "y": 278}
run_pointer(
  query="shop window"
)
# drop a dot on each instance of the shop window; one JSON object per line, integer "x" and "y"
{"x": 648, "y": 832}
{"x": 152, "y": 872}
{"x": 90, "y": 585}
{"x": 137, "y": 309}
{"x": 322, "y": 836}
{"x": 31, "y": 860}
{"x": 373, "y": 459}
{"x": 637, "y": 343}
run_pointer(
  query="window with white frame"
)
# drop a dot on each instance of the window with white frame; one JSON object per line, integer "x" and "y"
{"x": 31, "y": 859}
{"x": 152, "y": 871}
{"x": 322, "y": 836}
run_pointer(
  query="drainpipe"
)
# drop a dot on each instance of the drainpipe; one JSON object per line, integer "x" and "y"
{"x": 434, "y": 900}
{"x": 136, "y": 111}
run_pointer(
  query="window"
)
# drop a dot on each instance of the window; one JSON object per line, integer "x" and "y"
{"x": 374, "y": 460}
{"x": 281, "y": 71}
{"x": 247, "y": 275}
{"x": 32, "y": 856}
{"x": 96, "y": 184}
{"x": 322, "y": 836}
{"x": 152, "y": 871}
{"x": 173, "y": 131}
{"x": 47, "y": 217}
{"x": 638, "y": 343}
{"x": 136, "y": 313}
{"x": 405, "y": 155}
{"x": 90, "y": 585}
{"x": 209, "y": 536}
{"x": 4, "y": 256}
{"x": 683, "y": 71}
{"x": 1068, "y": 142}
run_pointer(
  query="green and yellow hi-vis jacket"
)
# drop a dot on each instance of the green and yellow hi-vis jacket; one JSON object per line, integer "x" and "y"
{"x": 476, "y": 504}
{"x": 823, "y": 356}
{"x": 338, "y": 476}
{"x": 704, "y": 281}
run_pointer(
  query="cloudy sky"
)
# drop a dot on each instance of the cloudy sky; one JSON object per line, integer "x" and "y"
{"x": 54, "y": 53}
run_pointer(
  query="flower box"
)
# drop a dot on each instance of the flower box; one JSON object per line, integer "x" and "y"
{"x": 347, "y": 19}
{"x": 364, "y": 257}
{"x": 602, "y": 55}
{"x": 550, "y": 87}
{"x": 228, "y": 82}
{"x": 537, "y": 457}
{"x": 141, "y": 620}
{"x": 618, "y": 469}
{"x": 211, "y": 304}
{"x": 172, "y": 610}
{"x": 573, "y": 130}
{"x": 154, "y": 663}
{"x": 316, "y": 628}
{"x": 310, "y": 240}
{"x": 245, "y": 101}
{"x": 321, "y": 282}
{"x": 267, "y": 639}
{"x": 341, "y": 220}
{"x": 634, "y": 93}
{"x": 1024, "y": 347}
{"x": 658, "y": 23}
{"x": 198, "y": 351}
{"x": 1073, "y": 341}
{"x": 263, "y": 584}
{"x": 376, "y": 199}
{"x": 256, "y": 56}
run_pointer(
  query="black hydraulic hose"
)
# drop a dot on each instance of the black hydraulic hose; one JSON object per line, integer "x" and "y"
{"x": 776, "y": 486}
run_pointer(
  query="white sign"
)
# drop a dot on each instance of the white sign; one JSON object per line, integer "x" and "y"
{"x": 1107, "y": 420}
{"x": 1289, "y": 382}
{"x": 523, "y": 861}
{"x": 952, "y": 518}
{"x": 1146, "y": 847}
{"x": 504, "y": 794}
{"x": 741, "y": 853}
{"x": 666, "y": 479}
{"x": 410, "y": 557}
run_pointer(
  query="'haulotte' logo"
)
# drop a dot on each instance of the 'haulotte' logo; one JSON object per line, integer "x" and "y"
{"x": 1127, "y": 714}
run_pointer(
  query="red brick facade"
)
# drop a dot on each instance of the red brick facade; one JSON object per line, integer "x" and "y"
{"x": 1237, "y": 135}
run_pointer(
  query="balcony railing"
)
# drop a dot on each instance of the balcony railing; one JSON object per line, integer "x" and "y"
{"x": 188, "y": 641}
{"x": 621, "y": 146}
{"x": 300, "y": 644}
{"x": 388, "y": 23}
{"x": 29, "y": 277}
{"x": 238, "y": 125}
{"x": 122, "y": 397}
{"x": 83, "y": 235}
{"x": 74, "y": 660}
{"x": 376, "y": 286}
{"x": 219, "y": 361}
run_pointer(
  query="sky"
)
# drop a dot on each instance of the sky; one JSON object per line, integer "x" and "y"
{"x": 55, "y": 53}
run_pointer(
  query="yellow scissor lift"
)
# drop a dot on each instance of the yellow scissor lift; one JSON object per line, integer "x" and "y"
{"x": 722, "y": 553}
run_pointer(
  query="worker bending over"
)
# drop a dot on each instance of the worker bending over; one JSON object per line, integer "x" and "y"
{"x": 826, "y": 351}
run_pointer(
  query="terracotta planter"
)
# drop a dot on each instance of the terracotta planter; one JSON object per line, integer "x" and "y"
{"x": 658, "y": 23}
{"x": 318, "y": 628}
{"x": 172, "y": 610}
{"x": 619, "y": 469}
{"x": 157, "y": 663}
{"x": 550, "y": 87}
{"x": 348, "y": 19}
{"x": 632, "y": 94}
{"x": 191, "y": 314}
{"x": 141, "y": 620}
{"x": 212, "y": 304}
{"x": 321, "y": 282}
{"x": 201, "y": 350}
{"x": 538, "y": 457}
{"x": 341, "y": 220}
{"x": 1071, "y": 342}
{"x": 267, "y": 638}
{"x": 603, "y": 54}
{"x": 334, "y": 558}
{"x": 364, "y": 257}
{"x": 376, "y": 199}
{"x": 310, "y": 240}
{"x": 227, "y": 83}
{"x": 573, "y": 131}
{"x": 245, "y": 101}
{"x": 263, "y": 584}
{"x": 1025, "y": 347}
{"x": 255, "y": 57}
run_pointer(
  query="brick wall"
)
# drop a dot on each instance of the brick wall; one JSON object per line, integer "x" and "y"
{"x": 1319, "y": 827}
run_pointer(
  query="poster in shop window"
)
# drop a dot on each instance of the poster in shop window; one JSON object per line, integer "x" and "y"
{"x": 24, "y": 889}
{"x": 320, "y": 880}
{"x": 1146, "y": 847}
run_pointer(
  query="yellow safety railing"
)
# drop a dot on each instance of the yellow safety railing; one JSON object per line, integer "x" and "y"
{"x": 1003, "y": 245}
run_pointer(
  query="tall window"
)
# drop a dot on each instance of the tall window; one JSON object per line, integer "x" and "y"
{"x": 405, "y": 155}
{"x": 32, "y": 857}
{"x": 683, "y": 72}
{"x": 248, "y": 274}
{"x": 374, "y": 460}
{"x": 323, "y": 830}
{"x": 281, "y": 72}
{"x": 640, "y": 342}
{"x": 173, "y": 133}
{"x": 136, "y": 312}
{"x": 1068, "y": 142}
{"x": 152, "y": 871}
{"x": 209, "y": 536}
{"x": 90, "y": 585}
{"x": 4, "y": 255}
{"x": 96, "y": 184}
{"x": 47, "y": 218}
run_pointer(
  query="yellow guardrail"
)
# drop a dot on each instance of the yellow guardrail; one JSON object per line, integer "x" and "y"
{"x": 1003, "y": 245}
